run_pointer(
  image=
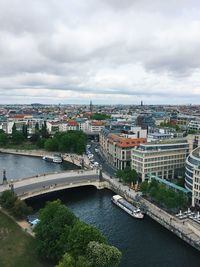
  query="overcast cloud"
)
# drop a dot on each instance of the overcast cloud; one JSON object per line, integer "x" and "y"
{"x": 107, "y": 51}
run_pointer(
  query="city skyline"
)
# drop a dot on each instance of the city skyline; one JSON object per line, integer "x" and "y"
{"x": 110, "y": 52}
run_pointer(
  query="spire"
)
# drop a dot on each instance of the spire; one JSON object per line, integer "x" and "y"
{"x": 91, "y": 106}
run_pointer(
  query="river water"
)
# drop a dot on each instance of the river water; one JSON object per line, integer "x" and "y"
{"x": 22, "y": 166}
{"x": 143, "y": 243}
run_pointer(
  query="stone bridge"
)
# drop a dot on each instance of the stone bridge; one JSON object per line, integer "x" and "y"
{"x": 29, "y": 187}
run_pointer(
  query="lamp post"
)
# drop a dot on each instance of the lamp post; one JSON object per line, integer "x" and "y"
{"x": 100, "y": 174}
{"x": 4, "y": 177}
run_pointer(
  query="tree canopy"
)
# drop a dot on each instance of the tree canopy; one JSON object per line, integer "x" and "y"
{"x": 80, "y": 236}
{"x": 166, "y": 197}
{"x": 100, "y": 116}
{"x": 71, "y": 141}
{"x": 127, "y": 175}
{"x": 102, "y": 255}
{"x": 62, "y": 237}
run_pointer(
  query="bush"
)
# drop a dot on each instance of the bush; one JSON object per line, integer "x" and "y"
{"x": 7, "y": 199}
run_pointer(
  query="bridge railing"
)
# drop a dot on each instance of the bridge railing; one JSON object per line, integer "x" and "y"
{"x": 49, "y": 173}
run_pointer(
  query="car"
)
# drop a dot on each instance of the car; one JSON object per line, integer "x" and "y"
{"x": 96, "y": 150}
{"x": 90, "y": 156}
{"x": 96, "y": 164}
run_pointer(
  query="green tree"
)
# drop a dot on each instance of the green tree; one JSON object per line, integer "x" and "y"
{"x": 17, "y": 137}
{"x": 83, "y": 262}
{"x": 67, "y": 261}
{"x": 100, "y": 116}
{"x": 44, "y": 131}
{"x": 3, "y": 139}
{"x": 144, "y": 187}
{"x": 51, "y": 144}
{"x": 7, "y": 199}
{"x": 14, "y": 128}
{"x": 52, "y": 231}
{"x": 40, "y": 142}
{"x": 35, "y": 137}
{"x": 127, "y": 175}
{"x": 20, "y": 209}
{"x": 37, "y": 127}
{"x": 25, "y": 131}
{"x": 102, "y": 255}
{"x": 80, "y": 236}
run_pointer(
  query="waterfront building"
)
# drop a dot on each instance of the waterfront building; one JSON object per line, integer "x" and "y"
{"x": 117, "y": 146}
{"x": 192, "y": 176}
{"x": 165, "y": 159}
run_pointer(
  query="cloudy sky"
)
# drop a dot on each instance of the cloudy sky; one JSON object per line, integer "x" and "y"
{"x": 107, "y": 51}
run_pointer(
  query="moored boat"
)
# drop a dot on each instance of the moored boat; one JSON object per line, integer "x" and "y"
{"x": 54, "y": 158}
{"x": 128, "y": 207}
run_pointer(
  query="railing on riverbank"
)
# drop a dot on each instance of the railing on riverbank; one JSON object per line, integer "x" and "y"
{"x": 162, "y": 217}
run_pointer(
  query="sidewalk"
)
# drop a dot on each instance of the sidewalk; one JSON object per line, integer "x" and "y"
{"x": 185, "y": 229}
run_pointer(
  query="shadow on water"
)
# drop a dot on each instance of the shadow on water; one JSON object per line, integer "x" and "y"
{"x": 143, "y": 243}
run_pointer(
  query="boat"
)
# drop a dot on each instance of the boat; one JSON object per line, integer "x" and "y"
{"x": 128, "y": 207}
{"x": 55, "y": 158}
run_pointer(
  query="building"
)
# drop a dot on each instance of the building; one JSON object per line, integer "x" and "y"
{"x": 69, "y": 125}
{"x": 194, "y": 125}
{"x": 117, "y": 145}
{"x": 165, "y": 159}
{"x": 192, "y": 176}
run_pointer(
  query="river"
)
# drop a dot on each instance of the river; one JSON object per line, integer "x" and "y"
{"x": 143, "y": 243}
{"x": 22, "y": 166}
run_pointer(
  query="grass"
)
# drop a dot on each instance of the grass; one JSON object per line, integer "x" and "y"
{"x": 17, "y": 248}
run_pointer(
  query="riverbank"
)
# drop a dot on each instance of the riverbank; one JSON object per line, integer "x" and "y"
{"x": 187, "y": 230}
{"x": 68, "y": 157}
{"x": 17, "y": 246}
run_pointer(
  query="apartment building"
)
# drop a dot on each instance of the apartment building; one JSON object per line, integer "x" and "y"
{"x": 165, "y": 159}
{"x": 117, "y": 146}
{"x": 192, "y": 176}
{"x": 194, "y": 125}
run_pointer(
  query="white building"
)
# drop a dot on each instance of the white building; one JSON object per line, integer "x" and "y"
{"x": 192, "y": 176}
{"x": 163, "y": 159}
{"x": 194, "y": 125}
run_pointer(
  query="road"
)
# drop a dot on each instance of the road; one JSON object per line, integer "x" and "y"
{"x": 45, "y": 181}
{"x": 107, "y": 168}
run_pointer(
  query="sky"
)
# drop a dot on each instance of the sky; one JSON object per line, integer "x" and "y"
{"x": 107, "y": 51}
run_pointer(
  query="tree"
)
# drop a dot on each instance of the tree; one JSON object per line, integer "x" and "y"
{"x": 35, "y": 137}
{"x": 40, "y": 142}
{"x": 17, "y": 137}
{"x": 51, "y": 144}
{"x": 67, "y": 261}
{"x": 102, "y": 255}
{"x": 127, "y": 175}
{"x": 3, "y": 139}
{"x": 20, "y": 209}
{"x": 53, "y": 230}
{"x": 37, "y": 127}
{"x": 83, "y": 262}
{"x": 7, "y": 199}
{"x": 80, "y": 236}
{"x": 14, "y": 128}
{"x": 44, "y": 131}
{"x": 25, "y": 131}
{"x": 144, "y": 187}
{"x": 100, "y": 116}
